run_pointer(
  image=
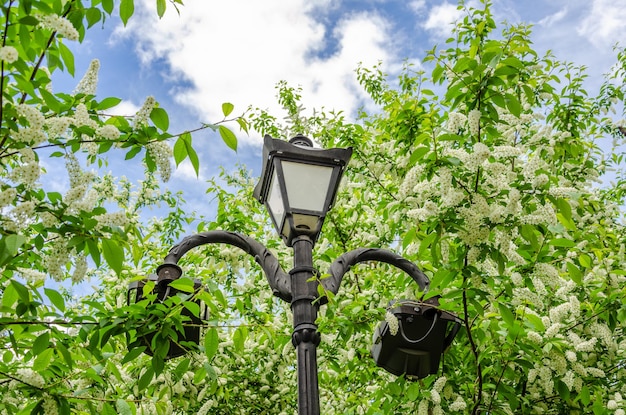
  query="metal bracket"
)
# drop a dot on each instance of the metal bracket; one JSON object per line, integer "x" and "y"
{"x": 279, "y": 280}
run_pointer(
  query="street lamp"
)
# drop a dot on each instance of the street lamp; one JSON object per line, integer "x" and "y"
{"x": 298, "y": 186}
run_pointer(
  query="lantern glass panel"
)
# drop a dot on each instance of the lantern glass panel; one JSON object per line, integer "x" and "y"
{"x": 307, "y": 185}
{"x": 275, "y": 200}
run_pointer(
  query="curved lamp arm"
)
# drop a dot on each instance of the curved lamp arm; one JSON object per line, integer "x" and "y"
{"x": 347, "y": 260}
{"x": 278, "y": 279}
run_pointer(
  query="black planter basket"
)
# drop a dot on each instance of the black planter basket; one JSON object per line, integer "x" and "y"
{"x": 191, "y": 327}
{"x": 422, "y": 337}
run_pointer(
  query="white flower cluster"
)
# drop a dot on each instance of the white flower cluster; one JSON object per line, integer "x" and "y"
{"x": 544, "y": 214}
{"x": 428, "y": 210}
{"x": 35, "y": 122}
{"x": 57, "y": 126}
{"x": 60, "y": 25}
{"x": 49, "y": 405}
{"x": 141, "y": 118}
{"x": 473, "y": 121}
{"x": 24, "y": 212}
{"x": 56, "y": 258}
{"x": 392, "y": 321}
{"x": 28, "y": 171}
{"x": 616, "y": 404}
{"x": 89, "y": 82}
{"x": 456, "y": 121}
{"x": 31, "y": 275}
{"x": 8, "y": 54}
{"x": 108, "y": 132}
{"x": 534, "y": 337}
{"x": 458, "y": 405}
{"x": 7, "y": 196}
{"x": 161, "y": 152}
{"x": 475, "y": 230}
{"x": 82, "y": 118}
{"x": 29, "y": 376}
{"x": 478, "y": 156}
{"x": 80, "y": 269}
{"x": 505, "y": 152}
{"x": 112, "y": 219}
{"x": 439, "y": 384}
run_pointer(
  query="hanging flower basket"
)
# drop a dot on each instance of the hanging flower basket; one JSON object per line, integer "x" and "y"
{"x": 191, "y": 327}
{"x": 414, "y": 336}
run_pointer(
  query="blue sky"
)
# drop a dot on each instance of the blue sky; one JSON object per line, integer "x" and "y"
{"x": 237, "y": 51}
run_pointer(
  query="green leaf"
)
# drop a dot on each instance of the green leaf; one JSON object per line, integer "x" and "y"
{"x": 113, "y": 255}
{"x": 574, "y": 273}
{"x": 536, "y": 322}
{"x": 229, "y": 137}
{"x": 160, "y": 8}
{"x": 413, "y": 391}
{"x": 65, "y": 353}
{"x": 93, "y": 16}
{"x": 585, "y": 396}
{"x": 567, "y": 243}
{"x": 160, "y": 118}
{"x": 243, "y": 124}
{"x": 107, "y": 409}
{"x": 513, "y": 105}
{"x": 107, "y": 103}
{"x": 29, "y": 20}
{"x": 12, "y": 243}
{"x": 43, "y": 360}
{"x": 507, "y": 315}
{"x": 145, "y": 379}
{"x": 211, "y": 343}
{"x": 55, "y": 298}
{"x": 227, "y": 108}
{"x": 239, "y": 338}
{"x": 193, "y": 158}
{"x": 563, "y": 389}
{"x": 123, "y": 408}
{"x": 408, "y": 238}
{"x": 41, "y": 343}
{"x": 107, "y": 6}
{"x": 193, "y": 307}
{"x": 528, "y": 233}
{"x": 94, "y": 251}
{"x": 183, "y": 148}
{"x": 199, "y": 375}
{"x": 426, "y": 242}
{"x": 133, "y": 354}
{"x": 183, "y": 284}
{"x": 50, "y": 100}
{"x": 9, "y": 296}
{"x": 127, "y": 8}
{"x": 21, "y": 290}
{"x": 68, "y": 58}
{"x": 585, "y": 260}
{"x": 132, "y": 153}
{"x": 180, "y": 150}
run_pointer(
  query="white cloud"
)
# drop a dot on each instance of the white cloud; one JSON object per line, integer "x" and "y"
{"x": 553, "y": 18}
{"x": 605, "y": 23}
{"x": 185, "y": 171}
{"x": 126, "y": 108}
{"x": 441, "y": 19}
{"x": 417, "y": 6}
{"x": 239, "y": 51}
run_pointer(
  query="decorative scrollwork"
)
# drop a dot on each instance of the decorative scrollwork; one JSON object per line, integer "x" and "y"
{"x": 278, "y": 279}
{"x": 349, "y": 259}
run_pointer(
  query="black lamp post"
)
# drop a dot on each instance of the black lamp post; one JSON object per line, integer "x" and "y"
{"x": 298, "y": 185}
